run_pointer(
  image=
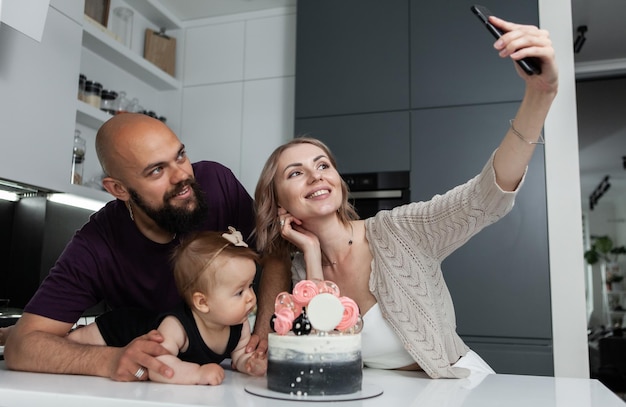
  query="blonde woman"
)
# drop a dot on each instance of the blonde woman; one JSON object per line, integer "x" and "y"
{"x": 390, "y": 264}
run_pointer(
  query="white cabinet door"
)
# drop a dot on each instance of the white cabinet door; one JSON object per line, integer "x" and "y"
{"x": 270, "y": 47}
{"x": 39, "y": 83}
{"x": 267, "y": 123}
{"x": 214, "y": 54}
{"x": 238, "y": 91}
{"x": 211, "y": 129}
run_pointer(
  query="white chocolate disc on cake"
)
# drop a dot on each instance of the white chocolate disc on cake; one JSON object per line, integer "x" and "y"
{"x": 325, "y": 312}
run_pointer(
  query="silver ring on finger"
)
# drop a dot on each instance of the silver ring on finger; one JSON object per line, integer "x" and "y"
{"x": 282, "y": 223}
{"x": 139, "y": 373}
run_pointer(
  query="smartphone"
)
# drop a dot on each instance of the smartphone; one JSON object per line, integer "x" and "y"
{"x": 530, "y": 65}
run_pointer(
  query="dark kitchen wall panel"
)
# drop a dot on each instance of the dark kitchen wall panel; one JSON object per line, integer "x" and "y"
{"x": 500, "y": 279}
{"x": 62, "y": 222}
{"x": 371, "y": 142}
{"x": 26, "y": 244}
{"x": 461, "y": 98}
{"x": 453, "y": 61}
{"x": 526, "y": 358}
{"x": 352, "y": 56}
{"x": 6, "y": 231}
{"x": 41, "y": 230}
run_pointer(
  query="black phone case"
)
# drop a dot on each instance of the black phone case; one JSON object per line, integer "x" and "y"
{"x": 530, "y": 65}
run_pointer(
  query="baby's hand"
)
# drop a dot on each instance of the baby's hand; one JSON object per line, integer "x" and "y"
{"x": 212, "y": 374}
{"x": 256, "y": 365}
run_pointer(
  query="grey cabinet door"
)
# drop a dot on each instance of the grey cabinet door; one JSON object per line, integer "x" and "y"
{"x": 352, "y": 56}
{"x": 500, "y": 279}
{"x": 363, "y": 143}
{"x": 453, "y": 61}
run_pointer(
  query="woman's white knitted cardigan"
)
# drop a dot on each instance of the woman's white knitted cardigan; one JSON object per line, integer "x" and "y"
{"x": 408, "y": 245}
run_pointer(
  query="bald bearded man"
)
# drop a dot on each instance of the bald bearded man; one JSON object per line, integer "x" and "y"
{"x": 122, "y": 254}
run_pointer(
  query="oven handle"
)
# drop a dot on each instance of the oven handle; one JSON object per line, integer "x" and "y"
{"x": 391, "y": 193}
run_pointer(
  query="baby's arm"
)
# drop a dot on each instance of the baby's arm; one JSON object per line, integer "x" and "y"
{"x": 87, "y": 335}
{"x": 175, "y": 339}
{"x": 254, "y": 363}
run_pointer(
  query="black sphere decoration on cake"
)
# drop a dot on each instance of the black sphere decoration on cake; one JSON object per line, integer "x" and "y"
{"x": 302, "y": 325}
{"x": 272, "y": 322}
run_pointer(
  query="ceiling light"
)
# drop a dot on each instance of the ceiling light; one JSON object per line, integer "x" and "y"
{"x": 21, "y": 190}
{"x": 9, "y": 196}
{"x": 76, "y": 201}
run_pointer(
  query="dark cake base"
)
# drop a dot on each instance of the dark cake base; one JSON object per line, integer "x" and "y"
{"x": 315, "y": 379}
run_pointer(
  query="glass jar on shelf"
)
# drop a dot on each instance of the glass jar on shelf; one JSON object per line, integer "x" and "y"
{"x": 122, "y": 25}
{"x": 134, "y": 106}
{"x": 108, "y": 101}
{"x": 93, "y": 91}
{"x": 81, "y": 87}
{"x": 122, "y": 102}
{"x": 78, "y": 158}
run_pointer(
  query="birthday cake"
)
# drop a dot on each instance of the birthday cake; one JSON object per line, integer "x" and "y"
{"x": 316, "y": 347}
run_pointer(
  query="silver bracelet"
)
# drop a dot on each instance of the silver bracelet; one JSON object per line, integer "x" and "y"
{"x": 518, "y": 134}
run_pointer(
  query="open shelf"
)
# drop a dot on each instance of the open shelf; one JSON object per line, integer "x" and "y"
{"x": 156, "y": 13}
{"x": 110, "y": 49}
{"x": 90, "y": 116}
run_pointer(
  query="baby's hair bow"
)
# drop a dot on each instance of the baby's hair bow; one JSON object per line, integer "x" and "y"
{"x": 235, "y": 237}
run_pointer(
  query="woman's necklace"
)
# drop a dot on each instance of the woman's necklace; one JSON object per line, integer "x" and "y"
{"x": 331, "y": 263}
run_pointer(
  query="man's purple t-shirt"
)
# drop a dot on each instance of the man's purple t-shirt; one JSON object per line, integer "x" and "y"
{"x": 109, "y": 259}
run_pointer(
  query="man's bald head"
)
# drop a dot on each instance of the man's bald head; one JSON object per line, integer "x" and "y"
{"x": 121, "y": 133}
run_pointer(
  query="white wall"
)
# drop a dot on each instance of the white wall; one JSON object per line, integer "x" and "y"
{"x": 238, "y": 89}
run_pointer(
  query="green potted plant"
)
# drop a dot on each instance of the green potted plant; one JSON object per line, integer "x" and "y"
{"x": 603, "y": 249}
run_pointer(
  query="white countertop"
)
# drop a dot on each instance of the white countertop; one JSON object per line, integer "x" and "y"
{"x": 400, "y": 389}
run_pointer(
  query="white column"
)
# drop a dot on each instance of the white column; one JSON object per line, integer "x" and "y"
{"x": 567, "y": 277}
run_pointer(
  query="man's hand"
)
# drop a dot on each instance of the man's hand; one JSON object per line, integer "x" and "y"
{"x": 4, "y": 334}
{"x": 257, "y": 344}
{"x": 137, "y": 357}
{"x": 276, "y": 277}
{"x": 256, "y": 365}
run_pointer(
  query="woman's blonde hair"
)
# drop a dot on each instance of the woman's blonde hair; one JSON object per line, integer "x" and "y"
{"x": 268, "y": 239}
{"x": 194, "y": 265}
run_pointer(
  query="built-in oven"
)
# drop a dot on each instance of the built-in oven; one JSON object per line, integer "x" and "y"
{"x": 375, "y": 191}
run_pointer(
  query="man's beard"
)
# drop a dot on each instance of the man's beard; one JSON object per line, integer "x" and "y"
{"x": 175, "y": 219}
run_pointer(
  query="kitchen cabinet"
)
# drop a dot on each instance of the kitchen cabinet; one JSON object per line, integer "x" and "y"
{"x": 500, "y": 279}
{"x": 238, "y": 87}
{"x": 373, "y": 142}
{"x": 455, "y": 64}
{"x": 461, "y": 95}
{"x": 39, "y": 82}
{"x": 6, "y": 234}
{"x": 352, "y": 57}
{"x": 40, "y": 230}
{"x": 352, "y": 81}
